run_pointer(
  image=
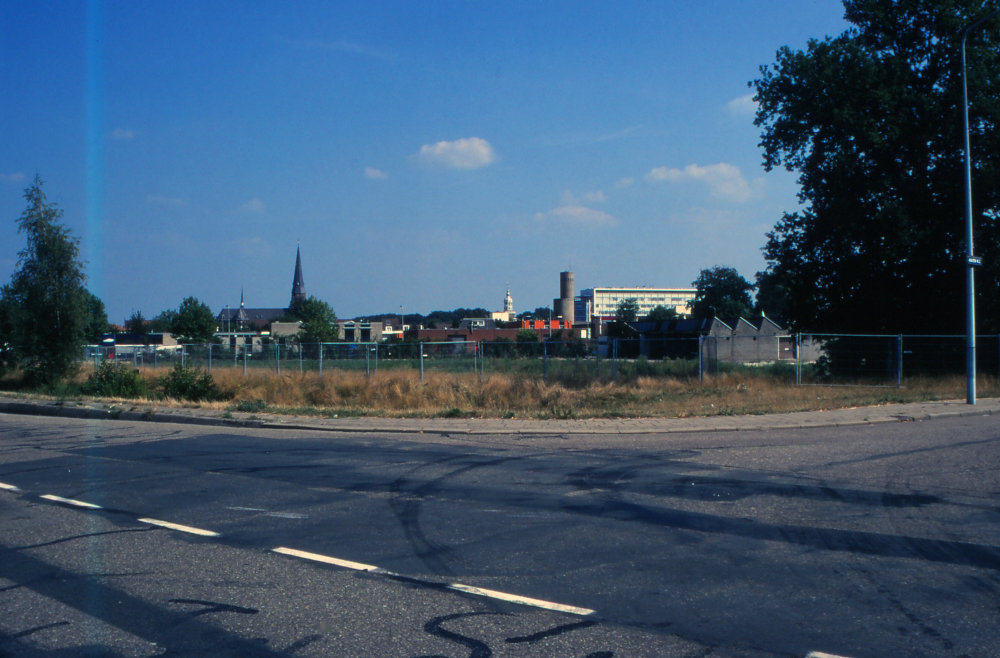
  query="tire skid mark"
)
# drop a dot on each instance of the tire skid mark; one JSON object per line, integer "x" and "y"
{"x": 406, "y": 506}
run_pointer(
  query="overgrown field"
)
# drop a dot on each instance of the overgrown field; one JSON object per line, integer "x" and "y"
{"x": 497, "y": 395}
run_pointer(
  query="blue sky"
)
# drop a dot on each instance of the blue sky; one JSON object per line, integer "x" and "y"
{"x": 424, "y": 153}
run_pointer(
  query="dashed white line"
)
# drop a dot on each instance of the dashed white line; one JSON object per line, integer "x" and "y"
{"x": 8, "y": 487}
{"x": 316, "y": 557}
{"x": 70, "y": 501}
{"x": 523, "y": 600}
{"x": 477, "y": 591}
{"x": 820, "y": 654}
{"x": 182, "y": 528}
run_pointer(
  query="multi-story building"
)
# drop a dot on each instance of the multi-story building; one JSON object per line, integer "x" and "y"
{"x": 597, "y": 306}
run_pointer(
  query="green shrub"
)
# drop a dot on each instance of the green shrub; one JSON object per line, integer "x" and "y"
{"x": 189, "y": 383}
{"x": 251, "y": 406}
{"x": 117, "y": 380}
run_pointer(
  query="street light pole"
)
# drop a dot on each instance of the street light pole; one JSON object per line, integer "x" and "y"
{"x": 970, "y": 260}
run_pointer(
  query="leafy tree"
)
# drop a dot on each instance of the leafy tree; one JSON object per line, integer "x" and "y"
{"x": 319, "y": 322}
{"x": 627, "y": 311}
{"x": 162, "y": 323}
{"x": 137, "y": 324}
{"x": 871, "y": 121}
{"x": 46, "y": 310}
{"x": 193, "y": 322}
{"x": 723, "y": 289}
{"x": 540, "y": 313}
{"x": 661, "y": 313}
{"x": 528, "y": 342}
{"x": 97, "y": 324}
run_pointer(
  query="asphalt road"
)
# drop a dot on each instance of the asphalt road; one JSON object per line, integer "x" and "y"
{"x": 858, "y": 542}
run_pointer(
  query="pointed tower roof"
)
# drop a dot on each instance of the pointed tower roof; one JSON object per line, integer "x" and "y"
{"x": 298, "y": 284}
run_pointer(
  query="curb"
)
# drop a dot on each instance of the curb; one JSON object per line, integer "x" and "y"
{"x": 52, "y": 410}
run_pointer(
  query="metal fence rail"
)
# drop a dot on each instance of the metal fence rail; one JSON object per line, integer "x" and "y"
{"x": 806, "y": 359}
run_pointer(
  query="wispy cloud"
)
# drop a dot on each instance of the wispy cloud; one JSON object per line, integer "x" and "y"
{"x": 578, "y": 215}
{"x": 471, "y": 153}
{"x": 16, "y": 177}
{"x": 723, "y": 179}
{"x": 742, "y": 106}
{"x": 161, "y": 200}
{"x": 375, "y": 174}
{"x": 342, "y": 46}
{"x": 122, "y": 134}
{"x": 254, "y": 246}
{"x": 624, "y": 182}
{"x": 254, "y": 205}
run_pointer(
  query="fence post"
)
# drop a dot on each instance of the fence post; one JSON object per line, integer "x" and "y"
{"x": 245, "y": 357}
{"x": 368, "y": 368}
{"x": 545, "y": 362}
{"x": 899, "y": 367}
{"x": 277, "y": 357}
{"x": 321, "y": 360}
{"x": 376, "y": 358}
{"x": 182, "y": 355}
{"x": 701, "y": 369}
{"x": 798, "y": 359}
{"x": 156, "y": 356}
{"x": 135, "y": 358}
{"x": 614, "y": 362}
{"x": 421, "y": 363}
{"x": 210, "y": 357}
{"x": 300, "y": 358}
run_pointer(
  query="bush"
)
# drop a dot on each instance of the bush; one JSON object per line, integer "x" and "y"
{"x": 189, "y": 383}
{"x": 116, "y": 380}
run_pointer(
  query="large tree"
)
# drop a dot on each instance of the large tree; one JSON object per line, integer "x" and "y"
{"x": 193, "y": 322}
{"x": 871, "y": 121}
{"x": 319, "y": 322}
{"x": 722, "y": 292}
{"x": 46, "y": 311}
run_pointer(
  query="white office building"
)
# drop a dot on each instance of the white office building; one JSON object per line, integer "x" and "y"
{"x": 603, "y": 302}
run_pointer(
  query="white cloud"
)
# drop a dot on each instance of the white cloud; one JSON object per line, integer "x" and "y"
{"x": 725, "y": 180}
{"x": 122, "y": 133}
{"x": 578, "y": 216}
{"x": 742, "y": 105}
{"x": 595, "y": 197}
{"x": 161, "y": 200}
{"x": 16, "y": 177}
{"x": 375, "y": 174}
{"x": 254, "y": 205}
{"x": 470, "y": 153}
{"x": 350, "y": 47}
{"x": 254, "y": 247}
{"x": 624, "y": 182}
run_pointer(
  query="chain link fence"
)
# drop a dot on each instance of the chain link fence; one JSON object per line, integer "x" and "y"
{"x": 803, "y": 359}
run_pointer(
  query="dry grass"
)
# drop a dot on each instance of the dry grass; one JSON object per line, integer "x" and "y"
{"x": 396, "y": 393}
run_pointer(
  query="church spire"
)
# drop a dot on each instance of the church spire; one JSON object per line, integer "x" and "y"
{"x": 298, "y": 284}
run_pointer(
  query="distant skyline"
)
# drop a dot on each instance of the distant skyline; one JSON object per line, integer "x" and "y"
{"x": 425, "y": 154}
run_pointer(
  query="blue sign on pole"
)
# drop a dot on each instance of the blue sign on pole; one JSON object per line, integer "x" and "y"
{"x": 976, "y": 261}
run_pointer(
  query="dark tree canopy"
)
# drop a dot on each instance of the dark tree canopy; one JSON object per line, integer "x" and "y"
{"x": 871, "y": 121}
{"x": 723, "y": 289}
{"x": 46, "y": 310}
{"x": 97, "y": 323}
{"x": 319, "y": 322}
{"x": 137, "y": 324}
{"x": 661, "y": 313}
{"x": 193, "y": 322}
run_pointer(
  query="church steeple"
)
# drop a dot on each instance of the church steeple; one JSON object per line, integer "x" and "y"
{"x": 298, "y": 284}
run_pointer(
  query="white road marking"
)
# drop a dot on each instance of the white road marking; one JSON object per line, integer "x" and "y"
{"x": 182, "y": 528}
{"x": 8, "y": 487}
{"x": 248, "y": 509}
{"x": 523, "y": 600}
{"x": 287, "y": 515}
{"x": 70, "y": 501}
{"x": 820, "y": 654}
{"x": 316, "y": 557}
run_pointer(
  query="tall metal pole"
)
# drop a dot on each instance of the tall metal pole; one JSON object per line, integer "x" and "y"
{"x": 970, "y": 260}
